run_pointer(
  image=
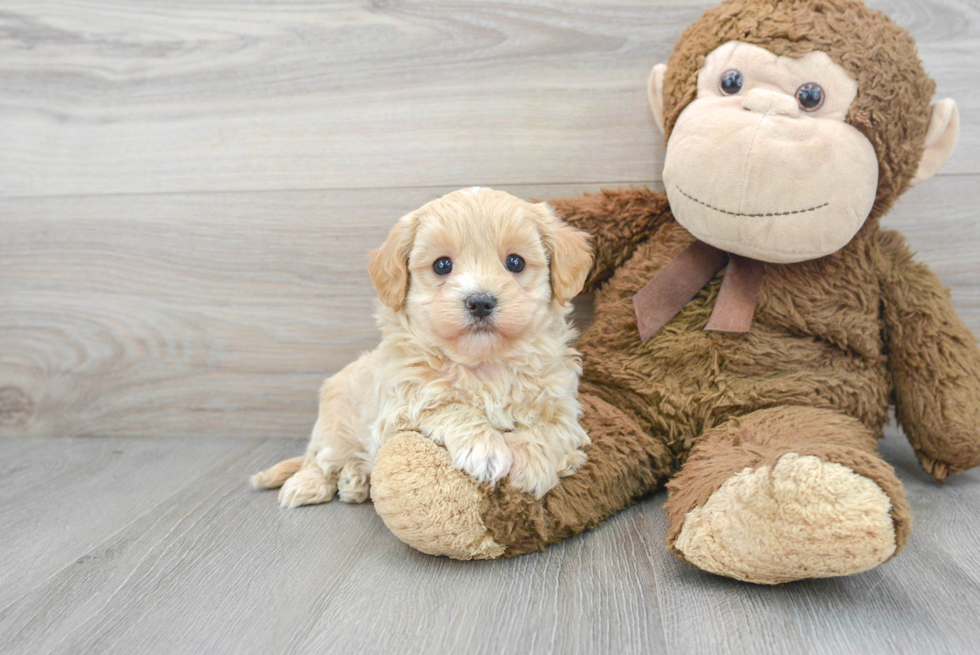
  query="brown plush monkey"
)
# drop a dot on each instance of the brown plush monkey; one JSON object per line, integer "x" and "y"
{"x": 791, "y": 126}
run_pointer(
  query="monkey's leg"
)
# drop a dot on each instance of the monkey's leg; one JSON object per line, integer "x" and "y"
{"x": 437, "y": 509}
{"x": 785, "y": 494}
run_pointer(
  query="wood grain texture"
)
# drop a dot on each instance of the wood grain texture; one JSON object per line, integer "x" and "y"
{"x": 216, "y": 569}
{"x": 61, "y": 498}
{"x": 188, "y": 189}
{"x": 923, "y": 601}
{"x": 589, "y": 596}
{"x": 152, "y": 303}
{"x": 220, "y": 314}
{"x": 213, "y": 567}
{"x": 107, "y": 96}
{"x": 202, "y": 314}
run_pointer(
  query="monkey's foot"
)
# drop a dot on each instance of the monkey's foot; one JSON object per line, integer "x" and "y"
{"x": 800, "y": 518}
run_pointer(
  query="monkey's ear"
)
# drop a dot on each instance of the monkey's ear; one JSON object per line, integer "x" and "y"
{"x": 570, "y": 253}
{"x": 941, "y": 138}
{"x": 655, "y": 91}
{"x": 388, "y": 265}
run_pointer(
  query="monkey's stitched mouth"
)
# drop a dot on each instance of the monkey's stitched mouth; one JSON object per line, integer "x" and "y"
{"x": 725, "y": 211}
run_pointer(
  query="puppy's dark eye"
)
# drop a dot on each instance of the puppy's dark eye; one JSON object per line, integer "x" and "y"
{"x": 443, "y": 266}
{"x": 810, "y": 96}
{"x": 515, "y": 263}
{"x": 731, "y": 82}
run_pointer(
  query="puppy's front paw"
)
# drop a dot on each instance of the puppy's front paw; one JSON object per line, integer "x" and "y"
{"x": 573, "y": 461}
{"x": 538, "y": 466}
{"x": 535, "y": 470}
{"x": 354, "y": 485}
{"x": 484, "y": 455}
{"x": 308, "y": 486}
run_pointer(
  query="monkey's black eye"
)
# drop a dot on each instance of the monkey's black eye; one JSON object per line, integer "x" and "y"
{"x": 515, "y": 263}
{"x": 442, "y": 266}
{"x": 731, "y": 82}
{"x": 810, "y": 96}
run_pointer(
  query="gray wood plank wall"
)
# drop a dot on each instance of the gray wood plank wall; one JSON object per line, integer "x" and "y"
{"x": 188, "y": 188}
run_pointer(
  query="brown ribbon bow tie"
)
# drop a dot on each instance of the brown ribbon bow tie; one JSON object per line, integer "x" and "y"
{"x": 685, "y": 275}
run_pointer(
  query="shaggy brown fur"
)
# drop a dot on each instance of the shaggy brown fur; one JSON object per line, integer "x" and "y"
{"x": 833, "y": 341}
{"x": 818, "y": 343}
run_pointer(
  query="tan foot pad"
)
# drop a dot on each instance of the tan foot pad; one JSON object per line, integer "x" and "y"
{"x": 427, "y": 503}
{"x": 803, "y": 518}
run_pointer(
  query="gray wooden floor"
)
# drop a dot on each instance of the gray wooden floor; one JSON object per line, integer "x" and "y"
{"x": 154, "y": 545}
{"x": 188, "y": 189}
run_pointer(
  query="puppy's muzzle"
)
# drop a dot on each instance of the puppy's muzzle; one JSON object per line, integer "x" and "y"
{"x": 480, "y": 305}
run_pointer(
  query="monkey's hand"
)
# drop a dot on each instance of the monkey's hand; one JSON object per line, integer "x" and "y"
{"x": 618, "y": 221}
{"x": 935, "y": 364}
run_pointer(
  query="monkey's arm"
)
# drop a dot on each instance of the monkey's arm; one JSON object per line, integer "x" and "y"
{"x": 934, "y": 361}
{"x": 618, "y": 222}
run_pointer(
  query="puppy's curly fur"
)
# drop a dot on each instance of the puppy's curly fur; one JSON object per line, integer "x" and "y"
{"x": 496, "y": 386}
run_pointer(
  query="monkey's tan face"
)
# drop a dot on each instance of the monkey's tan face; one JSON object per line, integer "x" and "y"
{"x": 762, "y": 164}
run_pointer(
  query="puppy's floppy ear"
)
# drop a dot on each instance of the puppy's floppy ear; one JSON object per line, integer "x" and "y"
{"x": 388, "y": 265}
{"x": 570, "y": 253}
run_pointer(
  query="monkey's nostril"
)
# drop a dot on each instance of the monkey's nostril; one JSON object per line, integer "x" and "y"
{"x": 481, "y": 305}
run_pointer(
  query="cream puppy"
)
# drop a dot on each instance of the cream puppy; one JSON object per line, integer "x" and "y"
{"x": 475, "y": 353}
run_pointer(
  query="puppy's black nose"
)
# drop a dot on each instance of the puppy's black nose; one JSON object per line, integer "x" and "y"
{"x": 481, "y": 305}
